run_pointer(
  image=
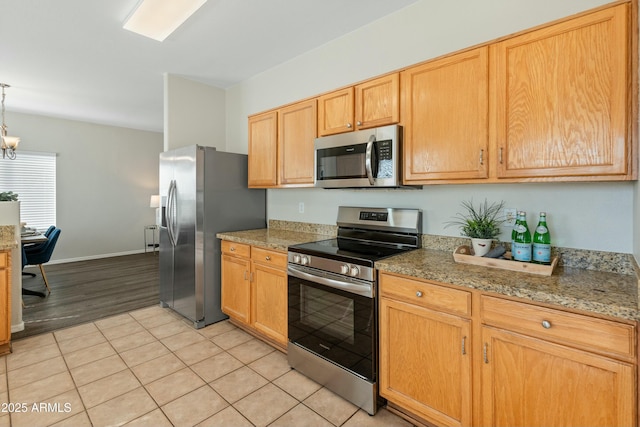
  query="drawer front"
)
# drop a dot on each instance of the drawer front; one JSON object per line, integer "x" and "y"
{"x": 269, "y": 257}
{"x": 4, "y": 259}
{"x": 236, "y": 249}
{"x": 589, "y": 333}
{"x": 426, "y": 294}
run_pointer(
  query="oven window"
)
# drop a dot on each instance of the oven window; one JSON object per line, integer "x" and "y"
{"x": 341, "y": 162}
{"x": 327, "y": 313}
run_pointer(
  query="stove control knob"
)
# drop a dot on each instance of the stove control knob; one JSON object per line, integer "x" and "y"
{"x": 354, "y": 271}
{"x": 305, "y": 260}
{"x": 344, "y": 269}
{"x": 296, "y": 259}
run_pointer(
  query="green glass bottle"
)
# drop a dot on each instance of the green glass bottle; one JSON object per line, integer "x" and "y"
{"x": 521, "y": 246}
{"x": 542, "y": 242}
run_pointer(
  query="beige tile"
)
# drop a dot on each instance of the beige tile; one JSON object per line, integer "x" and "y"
{"x": 174, "y": 385}
{"x": 106, "y": 388}
{"x": 211, "y": 331}
{"x": 39, "y": 391}
{"x": 297, "y": 385}
{"x": 382, "y": 418}
{"x": 78, "y": 420}
{"x": 110, "y": 322}
{"x": 88, "y": 355}
{"x": 197, "y": 352}
{"x": 265, "y": 405}
{"x": 251, "y": 350}
{"x": 238, "y": 384}
{"x": 3, "y": 383}
{"x": 148, "y": 311}
{"x": 157, "y": 319}
{"x": 231, "y": 339}
{"x": 271, "y": 366}
{"x": 132, "y": 341}
{"x": 3, "y": 364}
{"x": 225, "y": 418}
{"x": 37, "y": 371}
{"x": 144, "y": 353}
{"x": 301, "y": 416}
{"x": 154, "y": 418}
{"x": 75, "y": 331}
{"x": 168, "y": 329}
{"x": 330, "y": 406}
{"x": 216, "y": 366}
{"x": 122, "y": 409}
{"x": 54, "y": 410}
{"x": 93, "y": 371}
{"x": 157, "y": 368}
{"x": 20, "y": 359}
{"x": 83, "y": 341}
{"x": 31, "y": 342}
{"x": 122, "y": 330}
{"x": 183, "y": 339}
{"x": 189, "y": 409}
{"x": 5, "y": 420}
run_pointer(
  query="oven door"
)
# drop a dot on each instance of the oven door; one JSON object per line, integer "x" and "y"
{"x": 328, "y": 319}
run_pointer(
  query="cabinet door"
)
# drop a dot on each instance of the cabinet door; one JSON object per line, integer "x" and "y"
{"x": 377, "y": 102}
{"x": 425, "y": 364}
{"x": 297, "y": 132}
{"x": 445, "y": 117}
{"x": 269, "y": 302}
{"x": 561, "y": 99}
{"x": 236, "y": 289}
{"x": 335, "y": 112}
{"x": 262, "y": 148}
{"x": 529, "y": 382}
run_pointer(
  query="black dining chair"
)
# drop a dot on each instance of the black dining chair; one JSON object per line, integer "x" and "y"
{"x": 43, "y": 255}
{"x": 34, "y": 247}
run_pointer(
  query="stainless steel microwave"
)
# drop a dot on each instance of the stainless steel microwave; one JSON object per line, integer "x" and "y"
{"x": 362, "y": 159}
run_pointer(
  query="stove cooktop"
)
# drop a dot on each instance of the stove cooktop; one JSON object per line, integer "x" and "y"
{"x": 347, "y": 250}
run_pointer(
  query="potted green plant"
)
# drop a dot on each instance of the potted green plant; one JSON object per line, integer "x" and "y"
{"x": 481, "y": 224}
{"x": 8, "y": 196}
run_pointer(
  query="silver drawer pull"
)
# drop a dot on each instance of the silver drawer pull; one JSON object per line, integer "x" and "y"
{"x": 546, "y": 324}
{"x": 419, "y": 294}
{"x": 267, "y": 258}
{"x": 232, "y": 248}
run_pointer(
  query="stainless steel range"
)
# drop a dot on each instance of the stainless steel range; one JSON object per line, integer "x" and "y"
{"x": 332, "y": 287}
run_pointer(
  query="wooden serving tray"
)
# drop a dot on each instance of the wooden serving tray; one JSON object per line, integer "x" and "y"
{"x": 464, "y": 254}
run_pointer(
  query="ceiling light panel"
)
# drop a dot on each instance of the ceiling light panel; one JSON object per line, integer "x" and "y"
{"x": 157, "y": 19}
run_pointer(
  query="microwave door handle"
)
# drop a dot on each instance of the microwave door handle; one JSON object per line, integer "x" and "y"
{"x": 367, "y": 159}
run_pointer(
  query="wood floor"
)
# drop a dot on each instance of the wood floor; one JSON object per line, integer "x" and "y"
{"x": 85, "y": 291}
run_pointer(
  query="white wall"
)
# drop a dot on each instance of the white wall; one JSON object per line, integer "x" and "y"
{"x": 581, "y": 215}
{"x": 105, "y": 177}
{"x": 193, "y": 114}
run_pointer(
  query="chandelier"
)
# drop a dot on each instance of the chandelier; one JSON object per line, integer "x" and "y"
{"x": 8, "y": 144}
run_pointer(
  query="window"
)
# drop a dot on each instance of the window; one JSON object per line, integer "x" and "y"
{"x": 33, "y": 177}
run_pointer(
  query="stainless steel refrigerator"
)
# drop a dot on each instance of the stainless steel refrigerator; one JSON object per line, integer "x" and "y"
{"x": 203, "y": 192}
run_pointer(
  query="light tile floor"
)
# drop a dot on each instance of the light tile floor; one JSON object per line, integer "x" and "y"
{"x": 150, "y": 368}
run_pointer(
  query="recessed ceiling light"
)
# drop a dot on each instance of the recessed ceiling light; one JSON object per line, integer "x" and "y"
{"x": 157, "y": 19}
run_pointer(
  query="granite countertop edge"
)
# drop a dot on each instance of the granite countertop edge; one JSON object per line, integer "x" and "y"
{"x": 596, "y": 292}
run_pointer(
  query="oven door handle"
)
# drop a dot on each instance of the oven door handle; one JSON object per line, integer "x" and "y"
{"x": 354, "y": 288}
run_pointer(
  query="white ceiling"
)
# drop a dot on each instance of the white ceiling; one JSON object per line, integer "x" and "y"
{"x": 72, "y": 59}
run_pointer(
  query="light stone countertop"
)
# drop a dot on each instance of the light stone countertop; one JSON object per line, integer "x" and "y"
{"x": 7, "y": 237}
{"x": 592, "y": 291}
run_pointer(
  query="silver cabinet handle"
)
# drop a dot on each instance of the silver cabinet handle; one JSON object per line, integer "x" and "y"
{"x": 233, "y": 249}
{"x": 245, "y": 275}
{"x": 546, "y": 324}
{"x": 481, "y": 157}
{"x": 464, "y": 350}
{"x": 349, "y": 125}
{"x": 267, "y": 258}
{"x": 251, "y": 277}
{"x": 419, "y": 294}
{"x": 501, "y": 155}
{"x": 484, "y": 352}
{"x": 359, "y": 123}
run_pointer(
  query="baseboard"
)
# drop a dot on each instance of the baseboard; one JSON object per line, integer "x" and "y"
{"x": 90, "y": 257}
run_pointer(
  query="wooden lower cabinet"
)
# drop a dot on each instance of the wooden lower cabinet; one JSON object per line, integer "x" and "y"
{"x": 5, "y": 301}
{"x": 530, "y": 382}
{"x": 254, "y": 290}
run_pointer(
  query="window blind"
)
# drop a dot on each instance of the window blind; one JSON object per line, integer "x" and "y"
{"x": 33, "y": 177}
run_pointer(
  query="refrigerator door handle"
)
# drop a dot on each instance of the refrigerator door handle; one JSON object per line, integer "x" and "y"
{"x": 171, "y": 201}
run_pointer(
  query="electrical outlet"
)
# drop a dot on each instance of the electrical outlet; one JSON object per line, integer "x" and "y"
{"x": 510, "y": 216}
{"x": 301, "y": 207}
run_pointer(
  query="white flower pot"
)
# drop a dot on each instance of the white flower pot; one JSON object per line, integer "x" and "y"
{"x": 481, "y": 246}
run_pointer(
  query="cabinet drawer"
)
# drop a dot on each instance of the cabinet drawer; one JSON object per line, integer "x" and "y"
{"x": 426, "y": 294}
{"x": 4, "y": 259}
{"x": 237, "y": 249}
{"x": 589, "y": 333}
{"x": 269, "y": 257}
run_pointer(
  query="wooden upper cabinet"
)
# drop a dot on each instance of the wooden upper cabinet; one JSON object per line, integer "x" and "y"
{"x": 561, "y": 99}
{"x": 378, "y": 102}
{"x": 335, "y": 112}
{"x": 445, "y": 118}
{"x": 297, "y": 130}
{"x": 263, "y": 133}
